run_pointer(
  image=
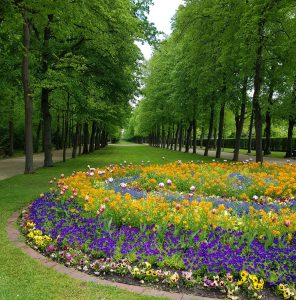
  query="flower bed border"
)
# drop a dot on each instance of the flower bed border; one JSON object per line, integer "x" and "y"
{"x": 14, "y": 237}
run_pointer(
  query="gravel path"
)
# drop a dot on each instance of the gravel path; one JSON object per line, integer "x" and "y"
{"x": 13, "y": 166}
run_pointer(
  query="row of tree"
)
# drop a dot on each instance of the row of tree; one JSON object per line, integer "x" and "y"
{"x": 68, "y": 70}
{"x": 224, "y": 58}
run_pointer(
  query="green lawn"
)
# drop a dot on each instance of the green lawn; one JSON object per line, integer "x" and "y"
{"x": 23, "y": 278}
{"x": 276, "y": 154}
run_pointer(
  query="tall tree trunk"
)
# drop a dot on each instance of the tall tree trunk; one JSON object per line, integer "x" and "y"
{"x": 267, "y": 130}
{"x": 250, "y": 131}
{"x": 75, "y": 141}
{"x": 194, "y": 135}
{"x": 92, "y": 137}
{"x": 176, "y": 137}
{"x": 80, "y": 139}
{"x": 66, "y": 128}
{"x": 211, "y": 123}
{"x": 221, "y": 127}
{"x": 240, "y": 121}
{"x": 188, "y": 138}
{"x": 38, "y": 136}
{"x": 292, "y": 121}
{"x": 215, "y": 138}
{"x": 45, "y": 107}
{"x": 202, "y": 135}
{"x": 257, "y": 89}
{"x": 180, "y": 137}
{"x": 27, "y": 97}
{"x": 85, "y": 138}
{"x": 172, "y": 137}
{"x": 11, "y": 130}
{"x": 162, "y": 135}
{"x": 168, "y": 137}
{"x": 98, "y": 139}
{"x": 57, "y": 133}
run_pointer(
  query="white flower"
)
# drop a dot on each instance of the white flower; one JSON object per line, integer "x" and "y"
{"x": 161, "y": 185}
{"x": 192, "y": 188}
{"x": 169, "y": 182}
{"x": 110, "y": 180}
{"x": 123, "y": 185}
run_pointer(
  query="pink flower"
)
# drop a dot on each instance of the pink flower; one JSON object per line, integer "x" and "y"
{"x": 161, "y": 185}
{"x": 178, "y": 206}
{"x": 192, "y": 188}
{"x": 287, "y": 223}
{"x": 169, "y": 182}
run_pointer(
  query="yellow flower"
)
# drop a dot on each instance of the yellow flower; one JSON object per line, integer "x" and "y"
{"x": 148, "y": 266}
{"x": 244, "y": 274}
{"x": 281, "y": 287}
{"x": 30, "y": 234}
{"x": 254, "y": 278}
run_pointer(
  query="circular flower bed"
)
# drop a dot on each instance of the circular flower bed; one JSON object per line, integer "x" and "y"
{"x": 228, "y": 228}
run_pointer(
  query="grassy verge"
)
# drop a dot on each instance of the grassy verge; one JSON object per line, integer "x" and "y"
{"x": 23, "y": 278}
{"x": 275, "y": 154}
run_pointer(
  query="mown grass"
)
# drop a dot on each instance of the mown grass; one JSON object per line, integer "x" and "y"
{"x": 275, "y": 154}
{"x": 21, "y": 277}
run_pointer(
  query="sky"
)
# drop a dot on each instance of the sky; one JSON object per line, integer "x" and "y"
{"x": 160, "y": 14}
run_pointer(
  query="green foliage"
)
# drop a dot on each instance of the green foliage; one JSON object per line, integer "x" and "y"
{"x": 208, "y": 57}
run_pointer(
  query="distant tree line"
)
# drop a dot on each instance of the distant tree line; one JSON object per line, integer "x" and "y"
{"x": 68, "y": 70}
{"x": 226, "y": 59}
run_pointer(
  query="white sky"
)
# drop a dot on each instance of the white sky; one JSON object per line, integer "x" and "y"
{"x": 160, "y": 14}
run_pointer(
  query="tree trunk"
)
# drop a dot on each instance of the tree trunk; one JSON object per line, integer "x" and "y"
{"x": 85, "y": 138}
{"x": 45, "y": 100}
{"x": 292, "y": 119}
{"x": 257, "y": 89}
{"x": 172, "y": 137}
{"x": 57, "y": 134}
{"x": 176, "y": 137}
{"x": 188, "y": 138}
{"x": 240, "y": 121}
{"x": 194, "y": 135}
{"x": 221, "y": 127}
{"x": 66, "y": 129}
{"x": 181, "y": 137}
{"x": 202, "y": 134}
{"x": 267, "y": 150}
{"x": 80, "y": 139}
{"x": 210, "y": 131}
{"x": 250, "y": 132}
{"x": 92, "y": 137}
{"x": 38, "y": 136}
{"x": 215, "y": 138}
{"x": 75, "y": 141}
{"x": 27, "y": 97}
{"x": 168, "y": 137}
{"x": 10, "y": 135}
{"x": 98, "y": 139}
{"x": 162, "y": 135}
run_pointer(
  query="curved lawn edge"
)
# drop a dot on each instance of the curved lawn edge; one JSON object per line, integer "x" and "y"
{"x": 14, "y": 237}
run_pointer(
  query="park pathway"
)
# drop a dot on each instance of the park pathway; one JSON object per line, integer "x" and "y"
{"x": 14, "y": 166}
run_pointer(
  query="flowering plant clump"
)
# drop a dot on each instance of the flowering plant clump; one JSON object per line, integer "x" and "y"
{"x": 174, "y": 225}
